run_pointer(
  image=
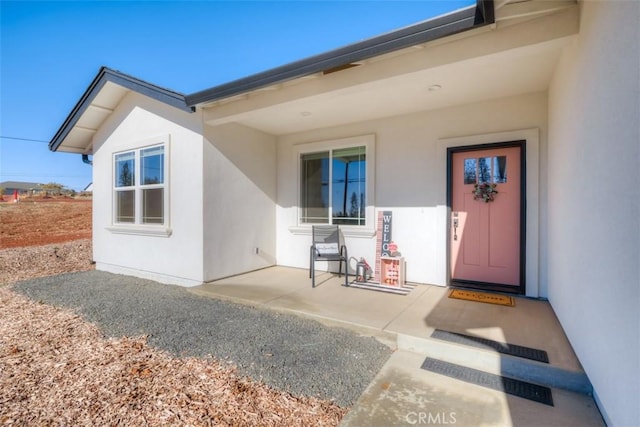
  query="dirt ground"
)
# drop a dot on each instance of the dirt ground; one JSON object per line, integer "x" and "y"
{"x": 41, "y": 221}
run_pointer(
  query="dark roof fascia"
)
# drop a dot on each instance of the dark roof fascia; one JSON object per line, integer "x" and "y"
{"x": 105, "y": 75}
{"x": 485, "y": 13}
{"x": 465, "y": 19}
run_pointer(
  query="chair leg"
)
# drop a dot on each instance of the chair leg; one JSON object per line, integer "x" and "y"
{"x": 346, "y": 267}
{"x": 312, "y": 271}
{"x": 346, "y": 273}
{"x": 312, "y": 268}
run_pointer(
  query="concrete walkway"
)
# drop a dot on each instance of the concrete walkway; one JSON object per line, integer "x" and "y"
{"x": 403, "y": 393}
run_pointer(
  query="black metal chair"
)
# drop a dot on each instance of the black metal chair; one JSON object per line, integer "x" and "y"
{"x": 326, "y": 247}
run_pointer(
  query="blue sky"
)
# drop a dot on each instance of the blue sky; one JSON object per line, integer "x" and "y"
{"x": 51, "y": 51}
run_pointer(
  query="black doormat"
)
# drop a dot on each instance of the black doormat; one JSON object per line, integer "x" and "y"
{"x": 507, "y": 385}
{"x": 500, "y": 347}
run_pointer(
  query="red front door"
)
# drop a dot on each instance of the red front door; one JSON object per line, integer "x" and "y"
{"x": 485, "y": 226}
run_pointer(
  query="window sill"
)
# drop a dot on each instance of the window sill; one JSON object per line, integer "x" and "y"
{"x": 347, "y": 231}
{"x": 140, "y": 230}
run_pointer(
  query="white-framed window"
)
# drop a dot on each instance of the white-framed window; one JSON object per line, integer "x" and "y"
{"x": 336, "y": 182}
{"x": 140, "y": 187}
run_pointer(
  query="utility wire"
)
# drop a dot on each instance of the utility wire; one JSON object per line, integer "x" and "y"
{"x": 22, "y": 139}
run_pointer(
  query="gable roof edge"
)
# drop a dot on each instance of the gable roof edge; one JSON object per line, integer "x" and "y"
{"x": 105, "y": 75}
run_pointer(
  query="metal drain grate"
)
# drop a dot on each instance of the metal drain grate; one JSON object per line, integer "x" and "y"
{"x": 507, "y": 385}
{"x": 504, "y": 348}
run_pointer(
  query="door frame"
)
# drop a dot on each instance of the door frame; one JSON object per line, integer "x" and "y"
{"x": 521, "y": 144}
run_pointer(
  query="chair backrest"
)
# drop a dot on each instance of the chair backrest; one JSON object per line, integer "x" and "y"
{"x": 326, "y": 239}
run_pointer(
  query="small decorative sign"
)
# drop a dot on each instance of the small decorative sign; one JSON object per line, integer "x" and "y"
{"x": 327, "y": 248}
{"x": 386, "y": 233}
{"x": 383, "y": 238}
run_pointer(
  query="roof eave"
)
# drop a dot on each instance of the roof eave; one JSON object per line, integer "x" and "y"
{"x": 465, "y": 19}
{"x": 105, "y": 75}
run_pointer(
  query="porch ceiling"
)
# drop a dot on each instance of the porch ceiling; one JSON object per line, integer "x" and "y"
{"x": 518, "y": 56}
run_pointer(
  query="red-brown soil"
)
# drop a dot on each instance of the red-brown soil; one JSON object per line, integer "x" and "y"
{"x": 41, "y": 221}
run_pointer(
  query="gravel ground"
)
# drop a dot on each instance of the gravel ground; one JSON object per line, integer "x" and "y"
{"x": 287, "y": 352}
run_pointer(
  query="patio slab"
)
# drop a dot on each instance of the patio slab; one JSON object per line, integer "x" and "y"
{"x": 289, "y": 289}
{"x": 402, "y": 394}
{"x": 530, "y": 323}
{"x": 255, "y": 288}
{"x": 405, "y": 323}
{"x": 350, "y": 305}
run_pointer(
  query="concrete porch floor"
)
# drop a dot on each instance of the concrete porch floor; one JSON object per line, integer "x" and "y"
{"x": 404, "y": 394}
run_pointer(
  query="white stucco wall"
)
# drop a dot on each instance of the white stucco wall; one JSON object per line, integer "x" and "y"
{"x": 409, "y": 178}
{"x": 594, "y": 203}
{"x": 239, "y": 200}
{"x": 176, "y": 259}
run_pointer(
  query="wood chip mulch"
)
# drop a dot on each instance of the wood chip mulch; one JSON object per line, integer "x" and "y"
{"x": 39, "y": 261}
{"x": 55, "y": 368}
